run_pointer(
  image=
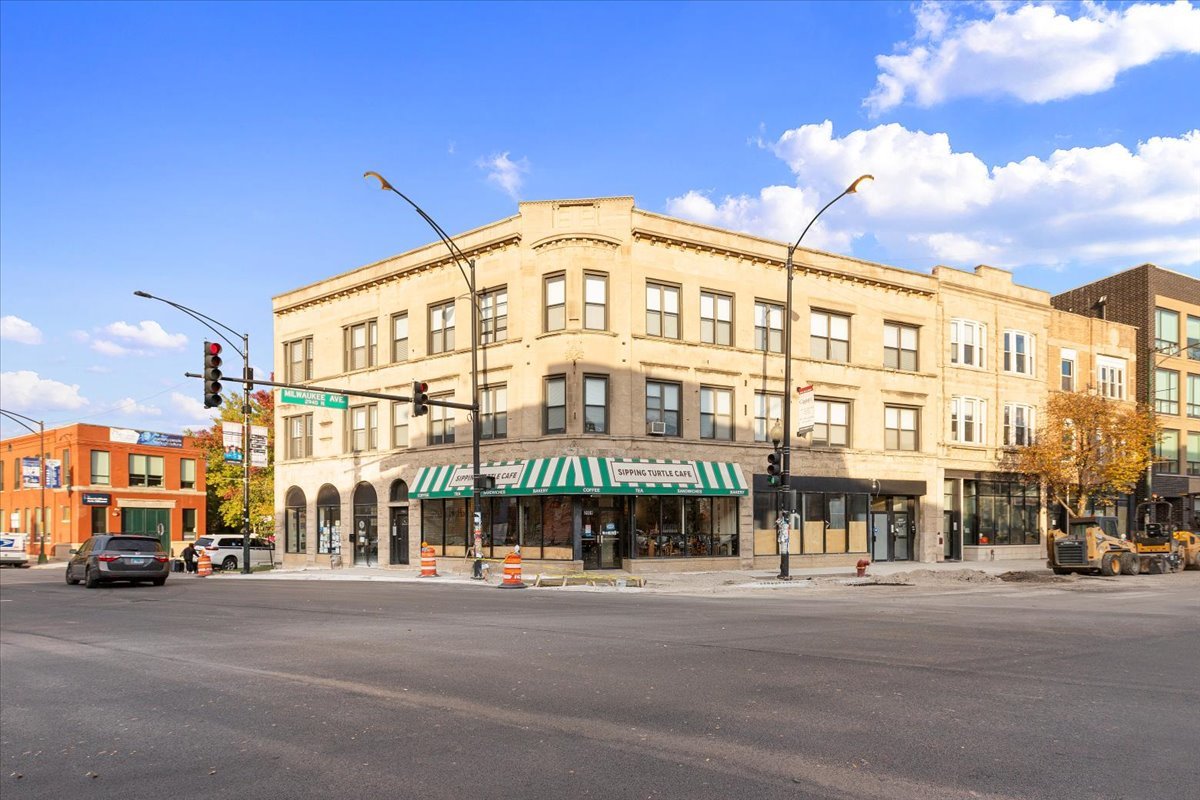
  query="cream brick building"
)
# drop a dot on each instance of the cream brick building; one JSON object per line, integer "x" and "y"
{"x": 617, "y": 339}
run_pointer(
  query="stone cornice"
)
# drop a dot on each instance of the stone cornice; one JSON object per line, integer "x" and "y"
{"x": 444, "y": 259}
{"x": 565, "y": 239}
{"x": 697, "y": 246}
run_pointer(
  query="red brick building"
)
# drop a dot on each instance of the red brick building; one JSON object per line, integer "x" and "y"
{"x": 110, "y": 480}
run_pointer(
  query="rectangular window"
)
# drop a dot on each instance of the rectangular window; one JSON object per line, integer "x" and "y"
{"x": 900, "y": 428}
{"x": 767, "y": 408}
{"x": 1166, "y": 329}
{"x": 189, "y": 523}
{"x": 100, "y": 472}
{"x": 662, "y": 405}
{"x": 493, "y": 315}
{"x": 997, "y": 512}
{"x": 716, "y": 318}
{"x": 662, "y": 310}
{"x": 399, "y": 337}
{"x": 441, "y": 328}
{"x": 1193, "y": 454}
{"x": 1166, "y": 452}
{"x": 298, "y": 360}
{"x": 145, "y": 470}
{"x": 967, "y": 420}
{"x": 1067, "y": 370}
{"x": 299, "y": 435}
{"x": 555, "y": 414}
{"x": 595, "y": 404}
{"x": 1018, "y": 352}
{"x": 400, "y": 415}
{"x": 361, "y": 342}
{"x": 493, "y": 416}
{"x": 1018, "y": 425}
{"x": 1166, "y": 391}
{"x": 187, "y": 473}
{"x": 899, "y": 346}
{"x": 829, "y": 336}
{"x": 1110, "y": 375}
{"x": 716, "y": 413}
{"x": 832, "y": 423}
{"x": 99, "y": 519}
{"x": 768, "y": 327}
{"x": 2, "y": 522}
{"x": 555, "y": 291}
{"x": 1193, "y": 338}
{"x": 1193, "y": 396}
{"x": 595, "y": 302}
{"x": 966, "y": 343}
{"x": 363, "y": 422}
{"x": 441, "y": 423}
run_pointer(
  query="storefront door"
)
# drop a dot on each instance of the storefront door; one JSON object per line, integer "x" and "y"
{"x": 893, "y": 528}
{"x": 398, "y": 543}
{"x": 603, "y": 527}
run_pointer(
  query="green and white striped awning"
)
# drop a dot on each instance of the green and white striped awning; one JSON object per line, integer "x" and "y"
{"x": 585, "y": 475}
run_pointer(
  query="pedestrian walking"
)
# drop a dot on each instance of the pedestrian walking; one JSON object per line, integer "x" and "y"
{"x": 189, "y": 557}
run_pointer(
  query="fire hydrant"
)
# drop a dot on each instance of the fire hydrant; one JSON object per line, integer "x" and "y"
{"x": 862, "y": 567}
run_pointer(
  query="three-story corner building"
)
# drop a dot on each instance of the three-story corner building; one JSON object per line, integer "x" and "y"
{"x": 631, "y": 372}
{"x": 107, "y": 480}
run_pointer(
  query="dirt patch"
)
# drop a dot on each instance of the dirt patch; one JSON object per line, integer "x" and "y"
{"x": 940, "y": 577}
{"x": 1025, "y": 576}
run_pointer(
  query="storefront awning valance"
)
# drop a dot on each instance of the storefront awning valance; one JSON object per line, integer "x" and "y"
{"x": 585, "y": 475}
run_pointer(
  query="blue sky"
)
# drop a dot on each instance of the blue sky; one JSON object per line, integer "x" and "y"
{"x": 213, "y": 153}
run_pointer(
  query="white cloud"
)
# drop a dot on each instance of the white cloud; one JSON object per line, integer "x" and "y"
{"x": 147, "y": 333}
{"x": 509, "y": 175}
{"x": 132, "y": 408}
{"x": 80, "y": 336}
{"x": 1105, "y": 205}
{"x": 107, "y": 348}
{"x": 1033, "y": 52}
{"x": 25, "y": 390}
{"x": 192, "y": 411}
{"x": 16, "y": 329}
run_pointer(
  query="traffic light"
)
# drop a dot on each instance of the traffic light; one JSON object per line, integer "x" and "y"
{"x": 420, "y": 398}
{"x": 774, "y": 467}
{"x": 486, "y": 482}
{"x": 212, "y": 375}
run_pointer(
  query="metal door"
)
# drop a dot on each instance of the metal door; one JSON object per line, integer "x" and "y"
{"x": 398, "y": 541}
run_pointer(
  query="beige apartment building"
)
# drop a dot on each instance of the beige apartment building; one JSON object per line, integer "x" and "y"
{"x": 632, "y": 371}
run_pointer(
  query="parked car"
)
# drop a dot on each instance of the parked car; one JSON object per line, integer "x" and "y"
{"x": 225, "y": 550}
{"x": 14, "y": 549}
{"x": 112, "y": 557}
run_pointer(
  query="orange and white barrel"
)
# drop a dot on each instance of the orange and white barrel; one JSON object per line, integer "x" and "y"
{"x": 428, "y": 561}
{"x": 512, "y": 571}
{"x": 203, "y": 565}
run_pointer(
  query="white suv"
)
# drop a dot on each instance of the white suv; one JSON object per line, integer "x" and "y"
{"x": 226, "y": 551}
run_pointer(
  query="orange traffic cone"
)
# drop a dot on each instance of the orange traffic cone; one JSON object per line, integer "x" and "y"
{"x": 428, "y": 561}
{"x": 203, "y": 565}
{"x": 512, "y": 570}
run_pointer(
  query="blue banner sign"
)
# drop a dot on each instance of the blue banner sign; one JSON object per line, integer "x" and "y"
{"x": 148, "y": 438}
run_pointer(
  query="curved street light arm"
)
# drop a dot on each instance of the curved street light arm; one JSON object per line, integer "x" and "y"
{"x": 851, "y": 189}
{"x": 14, "y": 417}
{"x": 203, "y": 319}
{"x": 460, "y": 258}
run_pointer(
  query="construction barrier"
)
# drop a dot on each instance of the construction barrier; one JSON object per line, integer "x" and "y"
{"x": 591, "y": 579}
{"x": 428, "y": 561}
{"x": 512, "y": 570}
{"x": 203, "y": 565}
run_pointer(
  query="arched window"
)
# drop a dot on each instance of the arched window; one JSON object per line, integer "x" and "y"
{"x": 329, "y": 520}
{"x": 398, "y": 492}
{"x": 295, "y": 528}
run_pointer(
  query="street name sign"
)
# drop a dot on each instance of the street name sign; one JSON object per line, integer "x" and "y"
{"x": 300, "y": 397}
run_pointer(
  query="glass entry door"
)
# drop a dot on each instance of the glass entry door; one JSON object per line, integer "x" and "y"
{"x": 893, "y": 528}
{"x": 603, "y": 526}
{"x": 879, "y": 536}
{"x": 366, "y": 541}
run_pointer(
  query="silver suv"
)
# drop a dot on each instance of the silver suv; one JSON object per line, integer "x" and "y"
{"x": 225, "y": 550}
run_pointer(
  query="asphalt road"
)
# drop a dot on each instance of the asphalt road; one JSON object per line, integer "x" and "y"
{"x": 225, "y": 688}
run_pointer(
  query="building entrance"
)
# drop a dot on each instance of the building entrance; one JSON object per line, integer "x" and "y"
{"x": 893, "y": 528}
{"x": 398, "y": 541}
{"x": 603, "y": 529}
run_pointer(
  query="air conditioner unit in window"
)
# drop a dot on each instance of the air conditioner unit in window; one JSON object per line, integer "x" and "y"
{"x": 656, "y": 428}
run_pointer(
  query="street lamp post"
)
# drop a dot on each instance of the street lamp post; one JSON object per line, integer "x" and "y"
{"x": 468, "y": 273}
{"x": 786, "y": 471}
{"x": 41, "y": 432}
{"x": 248, "y": 376}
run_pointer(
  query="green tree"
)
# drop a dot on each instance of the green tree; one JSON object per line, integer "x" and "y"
{"x": 224, "y": 478}
{"x": 1087, "y": 447}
